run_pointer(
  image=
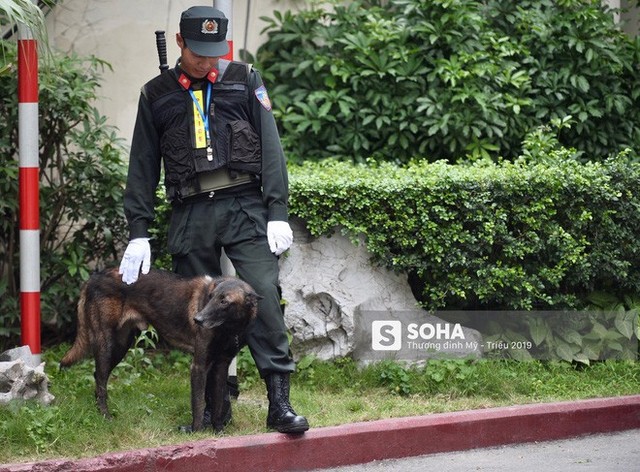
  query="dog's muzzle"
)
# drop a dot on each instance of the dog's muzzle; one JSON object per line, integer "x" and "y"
{"x": 206, "y": 322}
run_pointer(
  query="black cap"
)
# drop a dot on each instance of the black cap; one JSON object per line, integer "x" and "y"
{"x": 204, "y": 30}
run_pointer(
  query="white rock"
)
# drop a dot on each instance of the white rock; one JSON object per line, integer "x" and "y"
{"x": 329, "y": 284}
{"x": 21, "y": 381}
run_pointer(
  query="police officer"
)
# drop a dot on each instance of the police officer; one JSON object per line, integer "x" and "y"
{"x": 209, "y": 122}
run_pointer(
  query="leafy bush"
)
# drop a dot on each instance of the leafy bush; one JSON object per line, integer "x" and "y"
{"x": 513, "y": 235}
{"x": 582, "y": 336}
{"x": 447, "y": 79}
{"x": 81, "y": 184}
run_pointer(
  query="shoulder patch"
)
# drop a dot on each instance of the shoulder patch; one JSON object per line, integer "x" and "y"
{"x": 263, "y": 97}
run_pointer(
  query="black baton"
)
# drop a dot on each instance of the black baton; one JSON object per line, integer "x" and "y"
{"x": 161, "y": 44}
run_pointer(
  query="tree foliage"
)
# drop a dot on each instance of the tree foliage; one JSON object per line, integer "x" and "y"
{"x": 27, "y": 14}
{"x": 81, "y": 185}
{"x": 449, "y": 79}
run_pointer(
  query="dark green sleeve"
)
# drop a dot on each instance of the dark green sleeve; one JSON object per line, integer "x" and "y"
{"x": 275, "y": 183}
{"x": 144, "y": 173}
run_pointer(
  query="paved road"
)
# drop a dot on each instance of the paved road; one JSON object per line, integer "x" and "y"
{"x": 615, "y": 452}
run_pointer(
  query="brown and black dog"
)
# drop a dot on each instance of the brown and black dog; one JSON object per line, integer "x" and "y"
{"x": 205, "y": 316}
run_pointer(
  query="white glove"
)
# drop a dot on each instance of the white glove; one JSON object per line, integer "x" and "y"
{"x": 280, "y": 236}
{"x": 138, "y": 253}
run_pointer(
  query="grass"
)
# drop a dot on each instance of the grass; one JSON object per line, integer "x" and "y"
{"x": 149, "y": 396}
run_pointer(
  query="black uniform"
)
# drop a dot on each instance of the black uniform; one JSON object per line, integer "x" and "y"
{"x": 250, "y": 188}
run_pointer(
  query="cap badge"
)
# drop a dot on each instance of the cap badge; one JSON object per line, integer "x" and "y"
{"x": 209, "y": 27}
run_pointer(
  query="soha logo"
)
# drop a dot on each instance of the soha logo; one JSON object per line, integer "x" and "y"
{"x": 386, "y": 335}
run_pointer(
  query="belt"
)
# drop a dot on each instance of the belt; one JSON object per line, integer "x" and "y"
{"x": 222, "y": 178}
{"x": 217, "y": 180}
{"x": 229, "y": 192}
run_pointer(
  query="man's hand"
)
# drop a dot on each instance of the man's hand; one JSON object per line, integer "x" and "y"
{"x": 138, "y": 253}
{"x": 280, "y": 236}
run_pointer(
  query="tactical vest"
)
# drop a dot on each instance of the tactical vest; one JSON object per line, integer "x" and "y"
{"x": 234, "y": 140}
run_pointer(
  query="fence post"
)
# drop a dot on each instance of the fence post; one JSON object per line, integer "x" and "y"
{"x": 28, "y": 182}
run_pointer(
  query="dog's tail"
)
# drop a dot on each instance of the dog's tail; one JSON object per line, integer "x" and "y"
{"x": 80, "y": 346}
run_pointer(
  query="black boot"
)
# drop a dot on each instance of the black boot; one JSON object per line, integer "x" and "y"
{"x": 281, "y": 416}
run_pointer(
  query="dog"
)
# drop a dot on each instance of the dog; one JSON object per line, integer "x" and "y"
{"x": 205, "y": 316}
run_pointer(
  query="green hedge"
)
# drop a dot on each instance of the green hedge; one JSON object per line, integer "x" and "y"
{"x": 513, "y": 235}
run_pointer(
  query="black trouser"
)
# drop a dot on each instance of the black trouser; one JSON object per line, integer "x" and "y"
{"x": 197, "y": 233}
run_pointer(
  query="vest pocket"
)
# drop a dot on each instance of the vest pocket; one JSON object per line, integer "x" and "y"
{"x": 203, "y": 164}
{"x": 244, "y": 147}
{"x": 174, "y": 145}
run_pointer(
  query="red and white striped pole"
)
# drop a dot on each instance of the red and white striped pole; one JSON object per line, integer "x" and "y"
{"x": 226, "y": 7}
{"x": 29, "y": 191}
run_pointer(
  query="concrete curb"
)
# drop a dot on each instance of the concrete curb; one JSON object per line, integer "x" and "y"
{"x": 364, "y": 442}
